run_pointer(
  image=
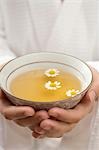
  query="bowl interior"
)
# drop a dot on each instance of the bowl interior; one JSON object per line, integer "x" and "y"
{"x": 45, "y": 60}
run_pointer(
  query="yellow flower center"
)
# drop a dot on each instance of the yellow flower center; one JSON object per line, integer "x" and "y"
{"x": 73, "y": 93}
{"x": 52, "y": 85}
{"x": 52, "y": 72}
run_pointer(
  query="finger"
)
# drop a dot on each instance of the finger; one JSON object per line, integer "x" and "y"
{"x": 39, "y": 130}
{"x": 31, "y": 122}
{"x": 36, "y": 135}
{"x": 55, "y": 128}
{"x": 3, "y": 101}
{"x": 16, "y": 112}
{"x": 40, "y": 115}
{"x": 76, "y": 114}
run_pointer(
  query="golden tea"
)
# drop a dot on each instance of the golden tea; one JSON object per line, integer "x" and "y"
{"x": 45, "y": 85}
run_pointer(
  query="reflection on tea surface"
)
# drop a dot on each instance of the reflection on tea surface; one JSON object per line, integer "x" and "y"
{"x": 45, "y": 85}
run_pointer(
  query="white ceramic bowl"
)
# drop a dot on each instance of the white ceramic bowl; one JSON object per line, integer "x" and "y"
{"x": 46, "y": 60}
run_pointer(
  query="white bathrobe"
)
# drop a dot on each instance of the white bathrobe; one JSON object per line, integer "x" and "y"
{"x": 67, "y": 26}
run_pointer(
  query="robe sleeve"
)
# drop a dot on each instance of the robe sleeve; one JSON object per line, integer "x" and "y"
{"x": 5, "y": 53}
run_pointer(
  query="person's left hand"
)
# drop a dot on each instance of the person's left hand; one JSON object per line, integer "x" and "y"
{"x": 65, "y": 120}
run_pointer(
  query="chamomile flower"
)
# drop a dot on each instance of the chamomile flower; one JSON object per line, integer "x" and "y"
{"x": 72, "y": 93}
{"x": 52, "y": 85}
{"x": 52, "y": 72}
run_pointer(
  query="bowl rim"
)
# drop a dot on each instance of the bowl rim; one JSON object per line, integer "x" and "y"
{"x": 43, "y": 52}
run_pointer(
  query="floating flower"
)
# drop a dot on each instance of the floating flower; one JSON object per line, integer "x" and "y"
{"x": 52, "y": 85}
{"x": 52, "y": 72}
{"x": 72, "y": 93}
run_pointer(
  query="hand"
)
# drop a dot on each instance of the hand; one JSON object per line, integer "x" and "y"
{"x": 22, "y": 115}
{"x": 65, "y": 120}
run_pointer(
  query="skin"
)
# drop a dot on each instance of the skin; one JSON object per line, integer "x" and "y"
{"x": 56, "y": 122}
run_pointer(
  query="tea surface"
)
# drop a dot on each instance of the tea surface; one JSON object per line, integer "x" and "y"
{"x": 35, "y": 85}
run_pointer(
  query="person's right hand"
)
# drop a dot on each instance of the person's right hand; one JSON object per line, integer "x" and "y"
{"x": 22, "y": 115}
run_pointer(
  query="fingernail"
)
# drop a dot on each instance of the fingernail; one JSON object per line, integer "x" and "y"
{"x": 47, "y": 127}
{"x": 40, "y": 131}
{"x": 53, "y": 114}
{"x": 41, "y": 136}
{"x": 28, "y": 114}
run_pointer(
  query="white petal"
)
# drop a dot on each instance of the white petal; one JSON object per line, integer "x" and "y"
{"x": 57, "y": 83}
{"x": 77, "y": 91}
{"x": 68, "y": 94}
{"x": 58, "y": 87}
{"x": 49, "y": 82}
